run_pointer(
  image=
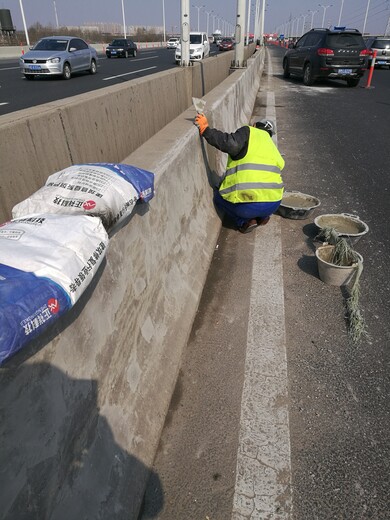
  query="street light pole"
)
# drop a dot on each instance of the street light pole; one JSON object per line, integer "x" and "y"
{"x": 312, "y": 16}
{"x": 24, "y": 23}
{"x": 341, "y": 10}
{"x": 124, "y": 21}
{"x": 248, "y": 22}
{"x": 239, "y": 35}
{"x": 207, "y": 26}
{"x": 163, "y": 8}
{"x": 185, "y": 33}
{"x": 365, "y": 18}
{"x": 198, "y": 7}
{"x": 55, "y": 14}
{"x": 324, "y": 7}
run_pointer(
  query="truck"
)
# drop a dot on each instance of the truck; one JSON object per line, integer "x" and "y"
{"x": 217, "y": 36}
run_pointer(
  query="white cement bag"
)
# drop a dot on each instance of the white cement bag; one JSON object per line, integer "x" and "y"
{"x": 106, "y": 190}
{"x": 46, "y": 263}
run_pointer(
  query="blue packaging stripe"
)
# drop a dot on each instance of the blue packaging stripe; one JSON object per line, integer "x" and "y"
{"x": 142, "y": 180}
{"x": 28, "y": 305}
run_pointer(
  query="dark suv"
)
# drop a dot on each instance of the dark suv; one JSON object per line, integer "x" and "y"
{"x": 121, "y": 47}
{"x": 325, "y": 53}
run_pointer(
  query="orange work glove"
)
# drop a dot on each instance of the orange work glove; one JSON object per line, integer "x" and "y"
{"x": 201, "y": 122}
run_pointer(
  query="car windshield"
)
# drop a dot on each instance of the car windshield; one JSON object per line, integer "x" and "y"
{"x": 226, "y": 40}
{"x": 51, "y": 45}
{"x": 345, "y": 40}
{"x": 381, "y": 44}
{"x": 195, "y": 38}
{"x": 119, "y": 42}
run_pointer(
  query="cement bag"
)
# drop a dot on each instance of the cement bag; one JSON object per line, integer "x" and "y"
{"x": 46, "y": 263}
{"x": 108, "y": 191}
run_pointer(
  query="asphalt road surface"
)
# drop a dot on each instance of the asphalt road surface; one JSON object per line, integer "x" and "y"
{"x": 335, "y": 141}
{"x": 17, "y": 93}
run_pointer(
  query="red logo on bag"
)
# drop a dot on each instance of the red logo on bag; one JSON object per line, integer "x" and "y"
{"x": 89, "y": 204}
{"x": 53, "y": 305}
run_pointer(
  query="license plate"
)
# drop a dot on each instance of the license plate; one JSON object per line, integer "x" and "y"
{"x": 345, "y": 71}
{"x": 381, "y": 62}
{"x": 113, "y": 52}
{"x": 35, "y": 67}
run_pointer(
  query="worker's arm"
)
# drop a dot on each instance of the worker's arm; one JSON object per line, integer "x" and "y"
{"x": 233, "y": 144}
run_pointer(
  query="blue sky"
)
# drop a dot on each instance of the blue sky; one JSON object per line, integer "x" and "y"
{"x": 150, "y": 12}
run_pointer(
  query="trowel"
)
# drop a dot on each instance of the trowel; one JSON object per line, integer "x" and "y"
{"x": 199, "y": 105}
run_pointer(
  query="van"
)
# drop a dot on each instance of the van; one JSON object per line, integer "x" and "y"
{"x": 199, "y": 47}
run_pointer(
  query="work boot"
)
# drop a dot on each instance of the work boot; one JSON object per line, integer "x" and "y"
{"x": 248, "y": 226}
{"x": 262, "y": 221}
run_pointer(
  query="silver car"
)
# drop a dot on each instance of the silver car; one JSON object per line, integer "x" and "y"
{"x": 382, "y": 47}
{"x": 58, "y": 55}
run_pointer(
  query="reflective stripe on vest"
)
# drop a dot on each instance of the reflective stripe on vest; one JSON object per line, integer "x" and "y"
{"x": 249, "y": 181}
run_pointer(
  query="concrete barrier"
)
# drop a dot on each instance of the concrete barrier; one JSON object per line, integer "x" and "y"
{"x": 106, "y": 125}
{"x": 83, "y": 407}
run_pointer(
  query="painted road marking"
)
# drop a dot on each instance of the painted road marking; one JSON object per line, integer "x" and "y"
{"x": 9, "y": 68}
{"x": 128, "y": 73}
{"x": 5, "y": 103}
{"x": 263, "y": 476}
{"x": 140, "y": 59}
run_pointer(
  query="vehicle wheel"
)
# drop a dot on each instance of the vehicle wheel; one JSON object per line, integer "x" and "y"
{"x": 93, "y": 67}
{"x": 66, "y": 72}
{"x": 353, "y": 82}
{"x": 308, "y": 75}
{"x": 29, "y": 76}
{"x": 126, "y": 54}
{"x": 286, "y": 71}
{"x": 134, "y": 53}
{"x": 109, "y": 56}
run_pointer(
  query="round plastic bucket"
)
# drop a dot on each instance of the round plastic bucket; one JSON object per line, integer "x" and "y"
{"x": 333, "y": 274}
{"x": 297, "y": 205}
{"x": 345, "y": 225}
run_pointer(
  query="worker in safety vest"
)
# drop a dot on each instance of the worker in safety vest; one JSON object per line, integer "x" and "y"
{"x": 252, "y": 187}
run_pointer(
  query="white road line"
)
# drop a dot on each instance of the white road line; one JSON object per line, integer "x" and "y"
{"x": 6, "y": 103}
{"x": 128, "y": 73}
{"x": 263, "y": 477}
{"x": 10, "y": 68}
{"x": 140, "y": 59}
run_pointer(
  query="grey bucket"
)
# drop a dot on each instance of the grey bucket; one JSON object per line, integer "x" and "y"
{"x": 332, "y": 274}
{"x": 346, "y": 225}
{"x": 297, "y": 205}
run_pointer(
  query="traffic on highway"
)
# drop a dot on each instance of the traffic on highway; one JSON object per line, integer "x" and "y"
{"x": 16, "y": 93}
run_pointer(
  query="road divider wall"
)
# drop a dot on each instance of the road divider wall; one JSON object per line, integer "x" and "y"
{"x": 100, "y": 126}
{"x": 84, "y": 406}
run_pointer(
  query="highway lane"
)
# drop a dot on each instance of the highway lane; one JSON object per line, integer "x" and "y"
{"x": 16, "y": 93}
{"x": 336, "y": 146}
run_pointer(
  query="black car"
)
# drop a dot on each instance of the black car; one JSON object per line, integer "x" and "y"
{"x": 325, "y": 53}
{"x": 121, "y": 48}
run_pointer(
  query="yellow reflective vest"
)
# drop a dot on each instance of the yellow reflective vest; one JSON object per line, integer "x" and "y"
{"x": 257, "y": 176}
